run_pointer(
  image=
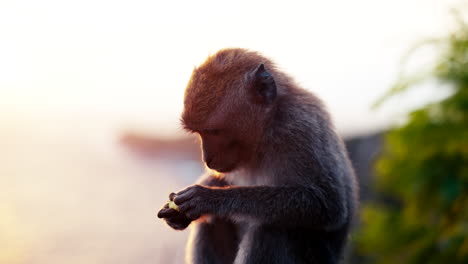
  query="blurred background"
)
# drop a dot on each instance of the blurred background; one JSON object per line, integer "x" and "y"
{"x": 91, "y": 93}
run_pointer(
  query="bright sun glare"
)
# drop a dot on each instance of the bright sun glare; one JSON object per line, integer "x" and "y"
{"x": 131, "y": 60}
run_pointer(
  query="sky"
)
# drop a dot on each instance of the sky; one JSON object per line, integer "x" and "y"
{"x": 127, "y": 62}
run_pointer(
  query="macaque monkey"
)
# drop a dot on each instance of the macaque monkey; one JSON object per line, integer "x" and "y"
{"x": 281, "y": 188}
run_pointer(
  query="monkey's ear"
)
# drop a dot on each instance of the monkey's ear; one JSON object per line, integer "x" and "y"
{"x": 264, "y": 87}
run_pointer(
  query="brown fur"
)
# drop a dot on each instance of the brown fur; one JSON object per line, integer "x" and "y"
{"x": 217, "y": 78}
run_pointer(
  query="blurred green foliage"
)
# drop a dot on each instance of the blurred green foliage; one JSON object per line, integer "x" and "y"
{"x": 422, "y": 173}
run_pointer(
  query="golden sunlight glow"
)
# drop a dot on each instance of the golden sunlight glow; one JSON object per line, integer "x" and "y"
{"x": 13, "y": 238}
{"x": 130, "y": 62}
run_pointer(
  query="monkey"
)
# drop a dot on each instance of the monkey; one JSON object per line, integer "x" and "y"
{"x": 280, "y": 187}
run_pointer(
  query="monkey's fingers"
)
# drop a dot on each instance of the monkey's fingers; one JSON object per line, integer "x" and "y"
{"x": 172, "y": 196}
{"x": 177, "y": 225}
{"x": 167, "y": 213}
{"x": 182, "y": 198}
{"x": 179, "y": 222}
{"x": 186, "y": 194}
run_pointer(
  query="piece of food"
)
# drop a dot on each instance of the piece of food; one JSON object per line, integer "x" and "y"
{"x": 172, "y": 205}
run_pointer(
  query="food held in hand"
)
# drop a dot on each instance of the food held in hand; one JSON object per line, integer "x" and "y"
{"x": 172, "y": 205}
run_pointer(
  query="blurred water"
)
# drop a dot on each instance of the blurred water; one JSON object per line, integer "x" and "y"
{"x": 71, "y": 194}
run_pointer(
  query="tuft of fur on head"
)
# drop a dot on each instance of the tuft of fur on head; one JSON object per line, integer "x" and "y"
{"x": 226, "y": 72}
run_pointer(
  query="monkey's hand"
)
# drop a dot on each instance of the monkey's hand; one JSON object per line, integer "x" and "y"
{"x": 197, "y": 200}
{"x": 174, "y": 218}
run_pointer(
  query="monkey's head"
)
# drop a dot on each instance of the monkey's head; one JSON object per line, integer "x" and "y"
{"x": 228, "y": 101}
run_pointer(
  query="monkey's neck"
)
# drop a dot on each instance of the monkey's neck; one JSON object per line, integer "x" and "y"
{"x": 244, "y": 177}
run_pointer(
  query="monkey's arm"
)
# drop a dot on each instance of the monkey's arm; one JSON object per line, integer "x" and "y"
{"x": 285, "y": 206}
{"x": 213, "y": 181}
